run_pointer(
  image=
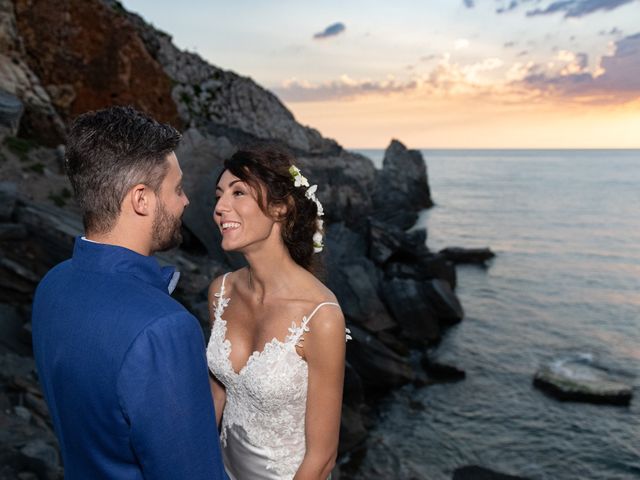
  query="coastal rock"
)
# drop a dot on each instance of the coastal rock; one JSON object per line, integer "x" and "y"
{"x": 574, "y": 381}
{"x": 422, "y": 308}
{"x": 425, "y": 267}
{"x": 467, "y": 255}
{"x": 356, "y": 285}
{"x": 401, "y": 187}
{"x": 115, "y": 65}
{"x": 11, "y": 109}
{"x": 412, "y": 309}
{"x": 39, "y": 117}
{"x": 8, "y": 199}
{"x": 345, "y": 182}
{"x": 222, "y": 100}
{"x": 474, "y": 472}
{"x": 387, "y": 242}
{"x": 379, "y": 367}
{"x": 440, "y": 371}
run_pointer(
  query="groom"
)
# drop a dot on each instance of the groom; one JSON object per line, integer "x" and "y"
{"x": 121, "y": 363}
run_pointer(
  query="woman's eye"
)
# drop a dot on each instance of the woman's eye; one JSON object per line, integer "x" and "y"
{"x": 238, "y": 193}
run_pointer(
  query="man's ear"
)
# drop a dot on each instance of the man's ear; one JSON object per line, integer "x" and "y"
{"x": 141, "y": 198}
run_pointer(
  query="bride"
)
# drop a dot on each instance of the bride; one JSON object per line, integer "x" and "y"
{"x": 277, "y": 345}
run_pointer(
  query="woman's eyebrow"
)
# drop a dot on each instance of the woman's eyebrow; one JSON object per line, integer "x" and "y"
{"x": 231, "y": 184}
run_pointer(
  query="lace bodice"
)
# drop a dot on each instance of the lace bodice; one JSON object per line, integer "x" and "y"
{"x": 268, "y": 396}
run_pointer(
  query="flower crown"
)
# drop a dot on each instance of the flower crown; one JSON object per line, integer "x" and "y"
{"x": 300, "y": 181}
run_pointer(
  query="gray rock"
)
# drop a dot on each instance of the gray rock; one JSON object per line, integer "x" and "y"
{"x": 580, "y": 383}
{"x": 8, "y": 199}
{"x": 12, "y": 231}
{"x": 379, "y": 367}
{"x": 422, "y": 308}
{"x": 11, "y": 109}
{"x": 474, "y": 472}
{"x": 413, "y": 310}
{"x": 356, "y": 285}
{"x": 425, "y": 267}
{"x": 467, "y": 255}
{"x": 40, "y": 450}
{"x": 401, "y": 187}
{"x": 345, "y": 182}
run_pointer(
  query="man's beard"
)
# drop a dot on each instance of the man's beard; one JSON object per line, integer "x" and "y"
{"x": 166, "y": 229}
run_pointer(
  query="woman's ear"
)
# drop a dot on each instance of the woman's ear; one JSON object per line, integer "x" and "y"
{"x": 278, "y": 211}
{"x": 140, "y": 199}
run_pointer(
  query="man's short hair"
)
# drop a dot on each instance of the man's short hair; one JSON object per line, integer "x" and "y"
{"x": 108, "y": 152}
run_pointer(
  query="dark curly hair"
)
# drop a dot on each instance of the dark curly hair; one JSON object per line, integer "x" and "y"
{"x": 266, "y": 170}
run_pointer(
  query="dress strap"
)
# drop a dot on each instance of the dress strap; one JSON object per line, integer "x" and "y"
{"x": 296, "y": 333}
{"x": 222, "y": 302}
{"x": 318, "y": 308}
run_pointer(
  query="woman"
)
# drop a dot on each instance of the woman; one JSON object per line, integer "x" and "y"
{"x": 277, "y": 343}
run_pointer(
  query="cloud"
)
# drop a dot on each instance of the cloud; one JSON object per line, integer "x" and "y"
{"x": 461, "y": 43}
{"x": 509, "y": 44}
{"x": 614, "y": 31}
{"x": 345, "y": 87}
{"x": 331, "y": 31}
{"x": 570, "y": 8}
{"x": 469, "y": 3}
{"x": 615, "y": 80}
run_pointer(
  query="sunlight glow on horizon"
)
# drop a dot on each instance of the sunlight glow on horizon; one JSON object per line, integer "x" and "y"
{"x": 447, "y": 74}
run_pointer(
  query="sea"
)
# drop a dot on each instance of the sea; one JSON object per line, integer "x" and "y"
{"x": 563, "y": 289}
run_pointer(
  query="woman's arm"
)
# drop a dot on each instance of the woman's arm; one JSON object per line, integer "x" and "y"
{"x": 217, "y": 389}
{"x": 324, "y": 350}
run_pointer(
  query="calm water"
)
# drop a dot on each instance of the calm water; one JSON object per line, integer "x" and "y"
{"x": 565, "y": 284}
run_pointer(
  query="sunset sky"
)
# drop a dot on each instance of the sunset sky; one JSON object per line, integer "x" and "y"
{"x": 435, "y": 74}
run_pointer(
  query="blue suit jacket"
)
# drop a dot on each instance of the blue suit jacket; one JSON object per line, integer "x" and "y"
{"x": 123, "y": 370}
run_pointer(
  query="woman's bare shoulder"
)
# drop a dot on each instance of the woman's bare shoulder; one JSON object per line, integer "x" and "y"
{"x": 229, "y": 278}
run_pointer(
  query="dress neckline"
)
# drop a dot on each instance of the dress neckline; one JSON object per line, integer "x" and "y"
{"x": 293, "y": 337}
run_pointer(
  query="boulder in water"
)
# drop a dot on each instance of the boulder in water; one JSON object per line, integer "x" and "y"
{"x": 574, "y": 381}
{"x": 474, "y": 472}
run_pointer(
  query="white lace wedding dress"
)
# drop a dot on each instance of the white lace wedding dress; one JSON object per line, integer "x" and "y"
{"x": 262, "y": 431}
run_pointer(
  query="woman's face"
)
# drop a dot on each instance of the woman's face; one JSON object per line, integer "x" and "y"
{"x": 238, "y": 216}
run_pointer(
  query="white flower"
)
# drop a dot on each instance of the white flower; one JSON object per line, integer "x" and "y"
{"x": 298, "y": 179}
{"x": 320, "y": 209}
{"x": 311, "y": 192}
{"x": 317, "y": 242}
{"x": 319, "y": 224}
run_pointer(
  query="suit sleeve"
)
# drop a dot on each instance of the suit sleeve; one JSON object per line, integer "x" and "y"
{"x": 163, "y": 386}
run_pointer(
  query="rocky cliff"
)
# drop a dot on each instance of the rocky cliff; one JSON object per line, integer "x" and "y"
{"x": 397, "y": 295}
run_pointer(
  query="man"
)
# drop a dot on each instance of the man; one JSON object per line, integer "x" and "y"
{"x": 121, "y": 363}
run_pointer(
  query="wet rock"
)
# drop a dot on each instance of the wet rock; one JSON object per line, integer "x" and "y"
{"x": 425, "y": 267}
{"x": 412, "y": 309}
{"x": 379, "y": 367}
{"x": 401, "y": 187}
{"x": 8, "y": 199}
{"x": 474, "y": 472}
{"x": 352, "y": 430}
{"x": 11, "y": 330}
{"x": 343, "y": 244}
{"x": 440, "y": 371}
{"x": 40, "y": 450}
{"x": 11, "y": 109}
{"x": 12, "y": 231}
{"x": 356, "y": 286}
{"x": 467, "y": 255}
{"x": 345, "y": 182}
{"x": 422, "y": 308}
{"x": 580, "y": 383}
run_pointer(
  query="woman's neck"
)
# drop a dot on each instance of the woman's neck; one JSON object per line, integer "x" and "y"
{"x": 270, "y": 272}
